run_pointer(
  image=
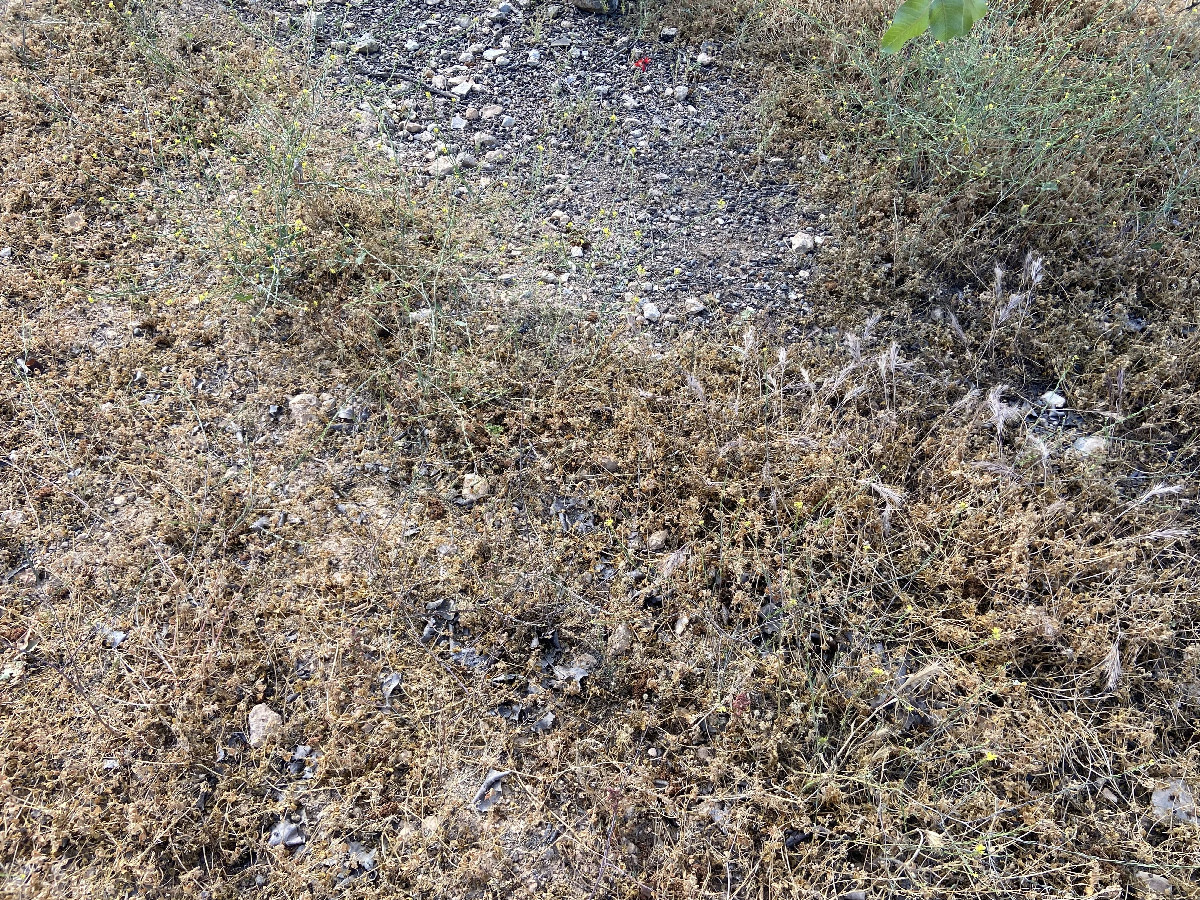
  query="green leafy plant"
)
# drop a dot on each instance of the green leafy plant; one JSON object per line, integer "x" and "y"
{"x": 946, "y": 19}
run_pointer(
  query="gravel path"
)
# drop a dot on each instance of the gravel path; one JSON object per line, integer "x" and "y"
{"x": 618, "y": 164}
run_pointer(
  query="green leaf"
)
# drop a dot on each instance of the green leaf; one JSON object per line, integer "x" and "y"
{"x": 911, "y": 21}
{"x": 949, "y": 19}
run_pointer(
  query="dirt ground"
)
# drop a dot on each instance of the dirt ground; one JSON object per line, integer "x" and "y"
{"x": 331, "y": 569}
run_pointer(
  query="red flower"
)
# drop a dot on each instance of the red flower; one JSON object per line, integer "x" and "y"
{"x": 642, "y": 63}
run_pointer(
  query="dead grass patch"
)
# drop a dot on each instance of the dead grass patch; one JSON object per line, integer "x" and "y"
{"x": 737, "y": 618}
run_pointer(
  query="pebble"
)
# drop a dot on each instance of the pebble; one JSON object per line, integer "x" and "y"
{"x": 264, "y": 723}
{"x": 508, "y": 122}
{"x": 681, "y": 93}
{"x": 1090, "y": 445}
{"x": 693, "y": 307}
{"x": 485, "y": 141}
{"x": 804, "y": 242}
{"x": 410, "y": 45}
{"x": 704, "y": 59}
{"x": 492, "y": 55}
{"x": 339, "y": 46}
{"x": 458, "y": 123}
{"x": 535, "y": 57}
{"x": 441, "y": 167}
{"x": 305, "y": 408}
{"x": 650, "y": 312}
{"x": 475, "y": 487}
{"x": 365, "y": 45}
{"x": 1053, "y": 400}
{"x": 596, "y": 6}
{"x": 668, "y": 34}
{"x": 492, "y": 110}
{"x": 658, "y": 540}
{"x": 620, "y": 641}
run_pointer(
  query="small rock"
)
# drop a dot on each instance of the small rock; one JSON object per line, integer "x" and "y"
{"x": 1090, "y": 445}
{"x": 596, "y": 6}
{"x": 475, "y": 487}
{"x": 313, "y": 19}
{"x": 1154, "y": 884}
{"x": 494, "y": 157}
{"x": 704, "y": 59}
{"x": 466, "y": 160}
{"x": 471, "y": 114}
{"x": 461, "y": 90}
{"x": 680, "y": 93}
{"x": 365, "y": 45}
{"x": 1053, "y": 400}
{"x": 508, "y": 122}
{"x": 804, "y": 242}
{"x": 414, "y": 127}
{"x": 285, "y": 834}
{"x": 466, "y": 57}
{"x": 493, "y": 54}
{"x": 305, "y": 408}
{"x": 441, "y": 167}
{"x": 694, "y": 307}
{"x": 458, "y": 123}
{"x": 620, "y": 641}
{"x": 1175, "y": 801}
{"x": 650, "y": 312}
{"x": 492, "y": 110}
{"x": 6, "y": 253}
{"x": 484, "y": 140}
{"x": 265, "y": 724}
{"x": 410, "y": 45}
{"x": 535, "y": 57}
{"x": 668, "y": 34}
{"x": 658, "y": 540}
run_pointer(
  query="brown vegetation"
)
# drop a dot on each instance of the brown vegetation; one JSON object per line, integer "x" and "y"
{"x": 739, "y": 619}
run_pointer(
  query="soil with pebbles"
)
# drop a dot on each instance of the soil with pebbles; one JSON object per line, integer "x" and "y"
{"x": 637, "y": 149}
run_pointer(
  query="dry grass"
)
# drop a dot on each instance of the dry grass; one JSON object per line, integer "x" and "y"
{"x": 848, "y": 622}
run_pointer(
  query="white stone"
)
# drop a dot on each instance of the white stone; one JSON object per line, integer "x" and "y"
{"x": 305, "y": 408}
{"x": 1053, "y": 400}
{"x": 441, "y": 167}
{"x": 651, "y": 312}
{"x": 1090, "y": 445}
{"x": 681, "y": 93}
{"x": 264, "y": 723}
{"x": 804, "y": 242}
{"x": 365, "y": 45}
{"x": 693, "y": 307}
{"x": 475, "y": 487}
